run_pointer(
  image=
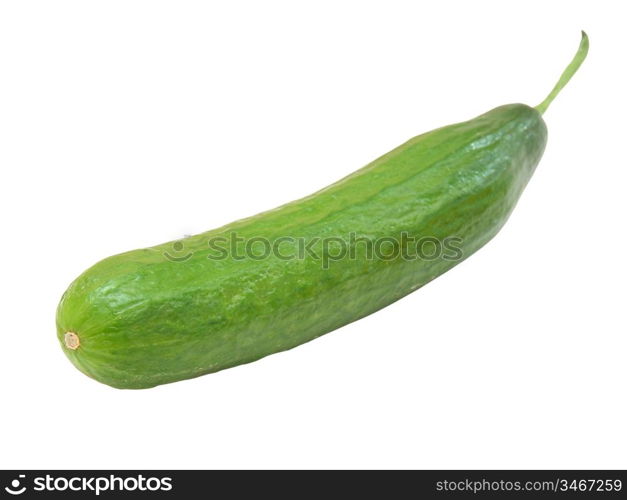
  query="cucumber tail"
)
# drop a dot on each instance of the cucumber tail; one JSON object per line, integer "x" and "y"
{"x": 568, "y": 73}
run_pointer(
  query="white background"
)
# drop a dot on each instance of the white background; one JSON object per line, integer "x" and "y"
{"x": 124, "y": 124}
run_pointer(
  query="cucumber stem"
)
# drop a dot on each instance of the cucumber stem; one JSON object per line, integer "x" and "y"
{"x": 568, "y": 73}
{"x": 72, "y": 341}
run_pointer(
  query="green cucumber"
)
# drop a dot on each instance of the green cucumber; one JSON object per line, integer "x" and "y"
{"x": 184, "y": 309}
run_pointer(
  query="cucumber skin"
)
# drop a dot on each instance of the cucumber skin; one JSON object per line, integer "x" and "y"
{"x": 144, "y": 320}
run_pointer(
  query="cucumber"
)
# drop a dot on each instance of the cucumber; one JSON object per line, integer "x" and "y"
{"x": 213, "y": 301}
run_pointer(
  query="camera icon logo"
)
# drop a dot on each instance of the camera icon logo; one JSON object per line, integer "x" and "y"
{"x": 15, "y": 489}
